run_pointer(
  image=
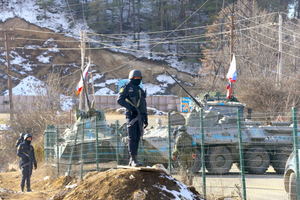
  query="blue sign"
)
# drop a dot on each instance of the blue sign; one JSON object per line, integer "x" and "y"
{"x": 186, "y": 104}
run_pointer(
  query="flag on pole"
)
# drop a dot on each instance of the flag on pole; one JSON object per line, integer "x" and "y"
{"x": 228, "y": 90}
{"x": 80, "y": 83}
{"x": 231, "y": 75}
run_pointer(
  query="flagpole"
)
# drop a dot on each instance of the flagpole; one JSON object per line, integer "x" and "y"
{"x": 82, "y": 46}
{"x": 84, "y": 89}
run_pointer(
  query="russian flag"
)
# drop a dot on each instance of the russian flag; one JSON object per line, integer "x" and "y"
{"x": 80, "y": 83}
{"x": 228, "y": 90}
{"x": 231, "y": 75}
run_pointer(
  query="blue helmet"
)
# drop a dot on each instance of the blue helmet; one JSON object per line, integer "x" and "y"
{"x": 182, "y": 129}
{"x": 22, "y": 134}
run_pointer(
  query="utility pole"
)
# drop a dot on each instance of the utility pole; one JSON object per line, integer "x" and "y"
{"x": 7, "y": 49}
{"x": 279, "y": 66}
{"x": 82, "y": 47}
{"x": 231, "y": 37}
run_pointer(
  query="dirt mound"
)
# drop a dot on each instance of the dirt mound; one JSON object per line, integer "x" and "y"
{"x": 113, "y": 184}
{"x": 127, "y": 184}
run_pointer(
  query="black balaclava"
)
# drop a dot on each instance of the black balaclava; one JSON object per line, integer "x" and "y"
{"x": 135, "y": 81}
{"x": 27, "y": 141}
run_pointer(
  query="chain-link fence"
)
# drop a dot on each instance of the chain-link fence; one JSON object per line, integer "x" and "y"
{"x": 243, "y": 158}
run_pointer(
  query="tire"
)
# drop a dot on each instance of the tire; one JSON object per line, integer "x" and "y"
{"x": 198, "y": 163}
{"x": 257, "y": 160}
{"x": 279, "y": 160}
{"x": 218, "y": 160}
{"x": 292, "y": 187}
{"x": 125, "y": 159}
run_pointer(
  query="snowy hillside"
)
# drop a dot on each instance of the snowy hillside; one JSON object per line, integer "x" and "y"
{"x": 60, "y": 21}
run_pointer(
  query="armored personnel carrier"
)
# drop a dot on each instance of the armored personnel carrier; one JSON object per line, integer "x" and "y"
{"x": 263, "y": 145}
{"x": 88, "y": 140}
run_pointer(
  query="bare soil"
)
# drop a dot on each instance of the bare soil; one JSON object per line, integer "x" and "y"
{"x": 114, "y": 184}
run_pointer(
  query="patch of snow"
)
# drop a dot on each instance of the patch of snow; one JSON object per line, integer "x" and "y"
{"x": 66, "y": 102}
{"x": 27, "y": 86}
{"x": 71, "y": 186}
{"x": 105, "y": 91}
{"x": 184, "y": 192}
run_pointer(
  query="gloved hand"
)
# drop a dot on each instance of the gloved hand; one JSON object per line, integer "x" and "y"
{"x": 145, "y": 123}
{"x": 35, "y": 167}
{"x": 134, "y": 112}
{"x": 193, "y": 155}
{"x": 173, "y": 158}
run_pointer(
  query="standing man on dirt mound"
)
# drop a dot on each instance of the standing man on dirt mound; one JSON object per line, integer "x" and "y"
{"x": 26, "y": 153}
{"x": 185, "y": 151}
{"x": 133, "y": 98}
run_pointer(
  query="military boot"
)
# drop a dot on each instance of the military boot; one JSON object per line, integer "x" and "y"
{"x": 130, "y": 161}
{"x": 134, "y": 162}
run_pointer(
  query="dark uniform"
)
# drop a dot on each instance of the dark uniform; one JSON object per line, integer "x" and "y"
{"x": 133, "y": 98}
{"x": 26, "y": 153}
{"x": 184, "y": 149}
{"x": 20, "y": 140}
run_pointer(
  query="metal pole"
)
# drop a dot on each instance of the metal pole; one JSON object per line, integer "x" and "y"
{"x": 203, "y": 154}
{"x": 231, "y": 37}
{"x": 170, "y": 146}
{"x": 118, "y": 141}
{"x": 241, "y": 155}
{"x": 82, "y": 46}
{"x": 81, "y": 152}
{"x": 57, "y": 152}
{"x": 72, "y": 153}
{"x": 11, "y": 107}
{"x": 97, "y": 144}
{"x": 295, "y": 138}
{"x": 279, "y": 50}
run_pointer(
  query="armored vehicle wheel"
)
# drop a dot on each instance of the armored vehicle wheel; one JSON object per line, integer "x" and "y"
{"x": 125, "y": 159}
{"x": 279, "y": 160}
{"x": 292, "y": 187}
{"x": 197, "y": 164}
{"x": 257, "y": 160}
{"x": 218, "y": 160}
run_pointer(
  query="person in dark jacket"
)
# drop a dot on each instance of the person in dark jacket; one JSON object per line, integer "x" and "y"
{"x": 133, "y": 98}
{"x": 26, "y": 154}
{"x": 20, "y": 140}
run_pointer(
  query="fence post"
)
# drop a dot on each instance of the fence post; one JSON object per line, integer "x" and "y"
{"x": 203, "y": 154}
{"x": 169, "y": 140}
{"x": 295, "y": 138}
{"x": 241, "y": 154}
{"x": 57, "y": 151}
{"x": 97, "y": 144}
{"x": 81, "y": 151}
{"x": 118, "y": 141}
{"x": 72, "y": 153}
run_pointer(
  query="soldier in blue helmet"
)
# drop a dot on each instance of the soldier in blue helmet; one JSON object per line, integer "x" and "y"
{"x": 20, "y": 140}
{"x": 133, "y": 98}
{"x": 26, "y": 154}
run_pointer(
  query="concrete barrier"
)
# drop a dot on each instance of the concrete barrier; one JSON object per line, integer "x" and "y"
{"x": 163, "y": 103}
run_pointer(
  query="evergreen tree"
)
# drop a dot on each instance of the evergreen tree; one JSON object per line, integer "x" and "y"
{"x": 46, "y": 5}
